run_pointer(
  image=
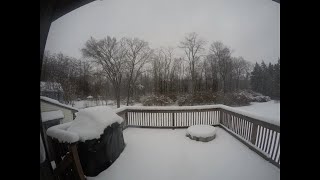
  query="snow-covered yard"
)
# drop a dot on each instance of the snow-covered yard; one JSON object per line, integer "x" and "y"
{"x": 160, "y": 154}
{"x": 91, "y": 103}
{"x": 270, "y": 109}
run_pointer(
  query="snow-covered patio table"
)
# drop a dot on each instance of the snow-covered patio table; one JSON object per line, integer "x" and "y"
{"x": 204, "y": 133}
{"x": 160, "y": 154}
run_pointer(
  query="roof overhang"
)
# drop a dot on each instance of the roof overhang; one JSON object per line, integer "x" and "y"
{"x": 63, "y": 7}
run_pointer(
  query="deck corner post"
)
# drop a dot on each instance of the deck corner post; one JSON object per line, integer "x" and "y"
{"x": 220, "y": 116}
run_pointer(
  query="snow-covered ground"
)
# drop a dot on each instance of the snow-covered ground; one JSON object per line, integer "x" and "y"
{"x": 270, "y": 109}
{"x": 90, "y": 103}
{"x": 160, "y": 154}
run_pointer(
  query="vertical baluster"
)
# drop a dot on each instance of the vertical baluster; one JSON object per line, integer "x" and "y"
{"x": 276, "y": 146}
{"x": 134, "y": 118}
{"x": 262, "y": 136}
{"x": 265, "y": 139}
{"x": 235, "y": 125}
{"x": 268, "y": 141}
{"x": 188, "y": 124}
{"x": 247, "y": 130}
{"x": 162, "y": 119}
{"x": 192, "y": 118}
{"x": 241, "y": 127}
{"x": 153, "y": 119}
{"x": 259, "y": 135}
{"x": 206, "y": 117}
{"x": 272, "y": 143}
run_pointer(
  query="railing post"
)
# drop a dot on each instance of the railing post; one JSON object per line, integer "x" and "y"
{"x": 221, "y": 116}
{"x": 254, "y": 133}
{"x": 173, "y": 123}
{"x": 126, "y": 119}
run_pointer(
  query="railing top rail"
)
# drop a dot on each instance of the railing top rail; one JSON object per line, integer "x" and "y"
{"x": 204, "y": 107}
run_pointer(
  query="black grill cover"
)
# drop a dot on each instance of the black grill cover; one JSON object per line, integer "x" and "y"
{"x": 97, "y": 155}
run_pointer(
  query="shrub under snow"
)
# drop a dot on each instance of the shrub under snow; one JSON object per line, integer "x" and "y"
{"x": 241, "y": 98}
{"x": 198, "y": 98}
{"x": 254, "y": 96}
{"x": 156, "y": 100}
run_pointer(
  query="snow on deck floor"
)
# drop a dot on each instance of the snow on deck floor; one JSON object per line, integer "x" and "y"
{"x": 166, "y": 154}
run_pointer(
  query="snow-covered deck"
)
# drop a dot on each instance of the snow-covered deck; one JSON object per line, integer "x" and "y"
{"x": 160, "y": 154}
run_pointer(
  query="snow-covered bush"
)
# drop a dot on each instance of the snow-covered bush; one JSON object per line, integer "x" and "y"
{"x": 233, "y": 99}
{"x": 184, "y": 100}
{"x": 156, "y": 100}
{"x": 261, "y": 99}
{"x": 254, "y": 96}
{"x": 241, "y": 98}
{"x": 173, "y": 96}
{"x": 198, "y": 99}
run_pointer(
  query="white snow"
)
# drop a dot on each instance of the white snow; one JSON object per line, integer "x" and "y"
{"x": 92, "y": 103}
{"x": 270, "y": 109}
{"x": 53, "y": 101}
{"x": 201, "y": 131}
{"x": 49, "y": 99}
{"x": 51, "y": 115}
{"x": 60, "y": 132}
{"x": 91, "y": 122}
{"x": 160, "y": 154}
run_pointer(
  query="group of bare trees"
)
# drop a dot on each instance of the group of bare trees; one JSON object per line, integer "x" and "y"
{"x": 133, "y": 69}
{"x": 118, "y": 60}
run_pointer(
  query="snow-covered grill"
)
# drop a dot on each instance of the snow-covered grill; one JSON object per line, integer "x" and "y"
{"x": 96, "y": 133}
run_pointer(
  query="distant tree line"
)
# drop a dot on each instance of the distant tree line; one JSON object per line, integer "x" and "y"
{"x": 128, "y": 68}
{"x": 266, "y": 79}
{"x": 77, "y": 77}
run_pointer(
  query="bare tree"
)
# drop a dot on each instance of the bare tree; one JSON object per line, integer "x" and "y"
{"x": 157, "y": 71}
{"x": 110, "y": 55}
{"x": 138, "y": 53}
{"x": 193, "y": 47}
{"x": 222, "y": 55}
{"x": 241, "y": 68}
{"x": 212, "y": 71}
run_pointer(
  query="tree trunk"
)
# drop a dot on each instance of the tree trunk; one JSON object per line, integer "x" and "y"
{"x": 238, "y": 81}
{"x": 224, "y": 85}
{"x": 118, "y": 99}
{"x": 117, "y": 94}
{"x": 128, "y": 95}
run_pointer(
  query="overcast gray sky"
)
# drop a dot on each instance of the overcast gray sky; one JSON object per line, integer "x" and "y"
{"x": 250, "y": 27}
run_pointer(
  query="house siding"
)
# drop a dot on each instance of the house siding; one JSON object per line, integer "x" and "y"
{"x": 68, "y": 115}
